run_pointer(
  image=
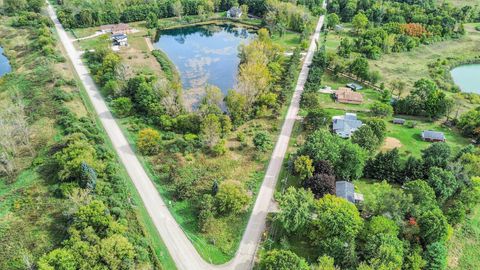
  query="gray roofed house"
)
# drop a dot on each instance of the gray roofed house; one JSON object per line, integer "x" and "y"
{"x": 234, "y": 12}
{"x": 345, "y": 125}
{"x": 398, "y": 121}
{"x": 120, "y": 39}
{"x": 346, "y": 190}
{"x": 354, "y": 86}
{"x": 433, "y": 136}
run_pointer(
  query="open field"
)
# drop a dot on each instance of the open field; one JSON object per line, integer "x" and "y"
{"x": 464, "y": 246}
{"x": 412, "y": 66}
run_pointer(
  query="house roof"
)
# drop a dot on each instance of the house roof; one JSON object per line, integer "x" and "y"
{"x": 345, "y": 125}
{"x": 346, "y": 95}
{"x": 433, "y": 135}
{"x": 345, "y": 190}
{"x": 235, "y": 11}
{"x": 398, "y": 120}
{"x": 354, "y": 86}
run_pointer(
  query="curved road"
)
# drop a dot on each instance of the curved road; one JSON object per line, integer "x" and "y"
{"x": 181, "y": 249}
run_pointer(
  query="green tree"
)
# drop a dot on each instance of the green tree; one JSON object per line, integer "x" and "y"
{"x": 231, "y": 198}
{"x": 332, "y": 20}
{"x": 95, "y": 215}
{"x": 325, "y": 263}
{"x": 359, "y": 67}
{"x": 148, "y": 141}
{"x": 385, "y": 166}
{"x": 303, "y": 167}
{"x": 378, "y": 127}
{"x": 345, "y": 48}
{"x": 211, "y": 130}
{"x": 351, "y": 163}
{"x": 122, "y": 106}
{"x": 58, "y": 259}
{"x": 360, "y": 22}
{"x": 436, "y": 256}
{"x": 236, "y": 106}
{"x": 433, "y": 226}
{"x": 152, "y": 20}
{"x": 365, "y": 137}
{"x": 436, "y": 155}
{"x": 282, "y": 260}
{"x": 117, "y": 252}
{"x": 295, "y": 209}
{"x": 71, "y": 157}
{"x": 383, "y": 199}
{"x": 262, "y": 141}
{"x": 443, "y": 182}
{"x": 381, "y": 109}
{"x": 335, "y": 228}
{"x": 380, "y": 245}
{"x": 315, "y": 119}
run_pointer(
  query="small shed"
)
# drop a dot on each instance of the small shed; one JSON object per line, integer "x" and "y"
{"x": 120, "y": 40}
{"x": 339, "y": 28}
{"x": 433, "y": 136}
{"x": 234, "y": 12}
{"x": 346, "y": 190}
{"x": 398, "y": 121}
{"x": 354, "y": 86}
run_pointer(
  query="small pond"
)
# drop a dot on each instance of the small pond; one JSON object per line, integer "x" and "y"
{"x": 204, "y": 54}
{"x": 4, "y": 64}
{"x": 467, "y": 77}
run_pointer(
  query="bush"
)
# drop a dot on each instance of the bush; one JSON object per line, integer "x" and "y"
{"x": 122, "y": 106}
{"x": 282, "y": 260}
{"x": 262, "y": 141}
{"x": 231, "y": 198}
{"x": 381, "y": 109}
{"x": 148, "y": 141}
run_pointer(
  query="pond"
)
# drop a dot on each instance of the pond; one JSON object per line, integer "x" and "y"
{"x": 467, "y": 77}
{"x": 204, "y": 54}
{"x": 4, "y": 64}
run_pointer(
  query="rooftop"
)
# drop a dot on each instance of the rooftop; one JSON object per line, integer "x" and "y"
{"x": 346, "y": 95}
{"x": 345, "y": 125}
{"x": 433, "y": 135}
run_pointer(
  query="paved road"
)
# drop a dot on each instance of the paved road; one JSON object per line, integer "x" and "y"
{"x": 181, "y": 249}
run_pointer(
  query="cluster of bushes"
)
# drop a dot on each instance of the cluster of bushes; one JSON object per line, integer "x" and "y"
{"x": 397, "y": 27}
{"x": 285, "y": 15}
{"x": 425, "y": 100}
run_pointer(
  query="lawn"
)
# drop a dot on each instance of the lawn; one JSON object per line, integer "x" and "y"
{"x": 464, "y": 246}
{"x": 289, "y": 41}
{"x": 411, "y": 140}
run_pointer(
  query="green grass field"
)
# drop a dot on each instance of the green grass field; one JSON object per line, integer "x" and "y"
{"x": 464, "y": 246}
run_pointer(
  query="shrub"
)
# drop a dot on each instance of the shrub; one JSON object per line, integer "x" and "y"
{"x": 381, "y": 109}
{"x": 231, "y": 198}
{"x": 148, "y": 141}
{"x": 262, "y": 141}
{"x": 122, "y": 106}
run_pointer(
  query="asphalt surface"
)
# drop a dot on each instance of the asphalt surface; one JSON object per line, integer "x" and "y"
{"x": 181, "y": 249}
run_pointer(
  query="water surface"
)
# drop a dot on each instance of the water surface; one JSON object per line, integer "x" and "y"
{"x": 205, "y": 54}
{"x": 4, "y": 64}
{"x": 467, "y": 77}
